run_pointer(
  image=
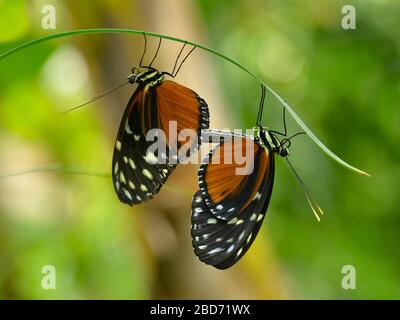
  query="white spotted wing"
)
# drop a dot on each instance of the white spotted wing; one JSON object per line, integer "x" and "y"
{"x": 138, "y": 174}
{"x": 222, "y": 238}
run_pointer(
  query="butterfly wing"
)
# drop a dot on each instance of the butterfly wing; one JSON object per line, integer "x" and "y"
{"x": 222, "y": 239}
{"x": 138, "y": 173}
{"x": 182, "y": 108}
{"x": 231, "y": 175}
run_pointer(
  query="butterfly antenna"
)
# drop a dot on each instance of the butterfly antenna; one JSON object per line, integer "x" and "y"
{"x": 311, "y": 201}
{"x": 295, "y": 135}
{"x": 261, "y": 107}
{"x": 96, "y": 98}
{"x": 180, "y": 66}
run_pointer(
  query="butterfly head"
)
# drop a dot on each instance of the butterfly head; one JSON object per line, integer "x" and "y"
{"x": 281, "y": 147}
{"x": 283, "y": 151}
{"x": 270, "y": 140}
{"x": 134, "y": 73}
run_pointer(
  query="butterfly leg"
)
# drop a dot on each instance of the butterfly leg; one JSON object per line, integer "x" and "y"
{"x": 144, "y": 51}
{"x": 261, "y": 107}
{"x": 184, "y": 59}
{"x": 177, "y": 59}
{"x": 158, "y": 49}
{"x": 284, "y": 125}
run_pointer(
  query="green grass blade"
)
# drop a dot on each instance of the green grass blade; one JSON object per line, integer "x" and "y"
{"x": 313, "y": 136}
{"x": 49, "y": 168}
{"x": 55, "y": 167}
{"x": 58, "y": 168}
{"x": 215, "y": 52}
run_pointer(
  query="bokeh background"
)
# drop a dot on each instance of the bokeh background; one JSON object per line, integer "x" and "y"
{"x": 343, "y": 83}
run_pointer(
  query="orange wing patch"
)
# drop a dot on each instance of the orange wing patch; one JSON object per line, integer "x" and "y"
{"x": 180, "y": 104}
{"x": 222, "y": 177}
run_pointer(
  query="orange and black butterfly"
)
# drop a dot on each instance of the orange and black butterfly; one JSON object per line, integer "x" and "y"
{"x": 138, "y": 174}
{"x": 229, "y": 208}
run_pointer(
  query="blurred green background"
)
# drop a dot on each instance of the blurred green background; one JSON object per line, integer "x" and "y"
{"x": 343, "y": 83}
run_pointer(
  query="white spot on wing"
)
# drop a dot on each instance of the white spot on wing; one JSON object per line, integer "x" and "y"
{"x": 216, "y": 250}
{"x": 132, "y": 164}
{"x": 118, "y": 145}
{"x": 249, "y": 238}
{"x": 116, "y": 167}
{"x": 150, "y": 158}
{"x": 232, "y": 221}
{"x": 147, "y": 174}
{"x": 127, "y": 128}
{"x": 257, "y": 196}
{"x": 122, "y": 177}
{"x": 127, "y": 194}
{"x": 212, "y": 221}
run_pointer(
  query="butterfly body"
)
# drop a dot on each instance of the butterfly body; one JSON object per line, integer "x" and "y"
{"x": 149, "y": 78}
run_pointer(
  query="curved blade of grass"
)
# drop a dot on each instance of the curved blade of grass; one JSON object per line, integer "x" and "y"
{"x": 49, "y": 168}
{"x": 215, "y": 52}
{"x": 58, "y": 168}
{"x": 55, "y": 167}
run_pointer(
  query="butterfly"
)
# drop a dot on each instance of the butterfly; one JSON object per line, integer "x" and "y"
{"x": 157, "y": 106}
{"x": 233, "y": 197}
